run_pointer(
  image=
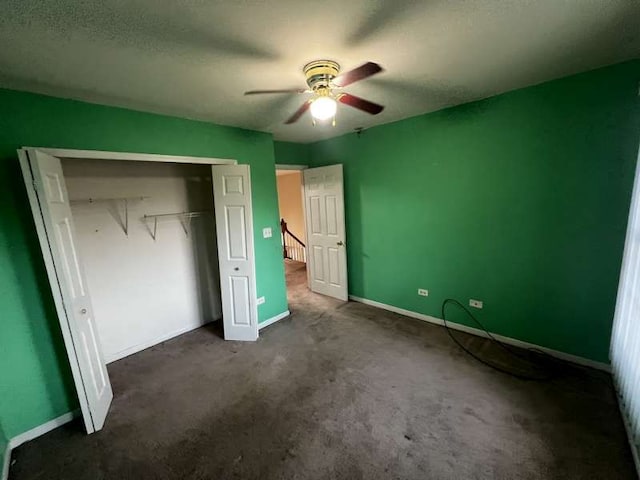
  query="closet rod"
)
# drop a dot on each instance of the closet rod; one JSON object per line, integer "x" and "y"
{"x": 113, "y": 199}
{"x": 179, "y": 214}
{"x": 185, "y": 220}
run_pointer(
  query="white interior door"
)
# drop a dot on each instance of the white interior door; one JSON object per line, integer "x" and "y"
{"x": 234, "y": 225}
{"x": 73, "y": 303}
{"x": 326, "y": 243}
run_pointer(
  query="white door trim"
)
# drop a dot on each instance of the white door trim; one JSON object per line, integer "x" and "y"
{"x": 131, "y": 156}
{"x": 283, "y": 166}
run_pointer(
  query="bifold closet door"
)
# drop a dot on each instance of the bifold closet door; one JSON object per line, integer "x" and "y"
{"x": 234, "y": 225}
{"x": 57, "y": 235}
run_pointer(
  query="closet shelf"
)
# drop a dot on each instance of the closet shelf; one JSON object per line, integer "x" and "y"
{"x": 112, "y": 199}
{"x": 185, "y": 220}
{"x": 123, "y": 222}
{"x": 179, "y": 214}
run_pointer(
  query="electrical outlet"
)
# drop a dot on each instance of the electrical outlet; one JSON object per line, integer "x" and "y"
{"x": 475, "y": 303}
{"x": 260, "y": 301}
{"x": 423, "y": 293}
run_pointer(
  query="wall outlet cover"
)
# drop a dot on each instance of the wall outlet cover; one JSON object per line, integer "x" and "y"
{"x": 475, "y": 303}
{"x": 267, "y": 233}
{"x": 260, "y": 301}
{"x": 423, "y": 292}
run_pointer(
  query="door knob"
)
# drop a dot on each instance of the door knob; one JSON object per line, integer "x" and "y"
{"x": 83, "y": 311}
{"x": 340, "y": 243}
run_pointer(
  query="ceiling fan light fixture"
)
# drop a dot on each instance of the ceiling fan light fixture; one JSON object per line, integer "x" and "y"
{"x": 323, "y": 108}
{"x": 323, "y": 79}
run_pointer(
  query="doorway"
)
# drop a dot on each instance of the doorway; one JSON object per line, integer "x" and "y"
{"x": 292, "y": 227}
{"x": 51, "y": 205}
{"x": 147, "y": 238}
{"x": 319, "y": 194}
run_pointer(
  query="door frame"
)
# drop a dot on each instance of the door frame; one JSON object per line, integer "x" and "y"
{"x": 302, "y": 168}
{"x": 56, "y": 291}
{"x": 284, "y": 166}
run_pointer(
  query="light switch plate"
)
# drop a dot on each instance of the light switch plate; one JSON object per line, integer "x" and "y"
{"x": 267, "y": 233}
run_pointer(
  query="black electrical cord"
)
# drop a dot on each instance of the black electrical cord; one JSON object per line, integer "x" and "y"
{"x": 510, "y": 351}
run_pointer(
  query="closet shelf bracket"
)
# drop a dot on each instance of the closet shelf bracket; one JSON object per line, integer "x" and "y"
{"x": 183, "y": 217}
{"x": 115, "y": 205}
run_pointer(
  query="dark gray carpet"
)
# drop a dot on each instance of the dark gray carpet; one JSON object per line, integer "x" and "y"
{"x": 340, "y": 391}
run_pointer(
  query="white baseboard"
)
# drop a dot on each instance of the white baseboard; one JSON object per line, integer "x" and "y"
{"x": 273, "y": 320}
{"x": 6, "y": 456}
{"x": 163, "y": 338}
{"x": 144, "y": 345}
{"x": 42, "y": 429}
{"x": 36, "y": 432}
{"x": 480, "y": 333}
{"x": 67, "y": 417}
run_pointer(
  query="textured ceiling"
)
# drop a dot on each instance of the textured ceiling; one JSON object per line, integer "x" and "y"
{"x": 195, "y": 58}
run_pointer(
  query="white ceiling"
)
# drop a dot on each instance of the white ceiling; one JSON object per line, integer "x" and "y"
{"x": 195, "y": 58}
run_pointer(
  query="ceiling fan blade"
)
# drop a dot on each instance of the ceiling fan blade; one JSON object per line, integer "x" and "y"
{"x": 360, "y": 103}
{"x": 296, "y": 116}
{"x": 290, "y": 90}
{"x": 360, "y": 73}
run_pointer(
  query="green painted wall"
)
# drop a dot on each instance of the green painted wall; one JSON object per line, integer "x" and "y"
{"x": 292, "y": 153}
{"x": 520, "y": 200}
{"x": 35, "y": 382}
{"x": 4, "y": 443}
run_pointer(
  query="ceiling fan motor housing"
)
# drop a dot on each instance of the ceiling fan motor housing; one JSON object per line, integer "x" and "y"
{"x": 319, "y": 75}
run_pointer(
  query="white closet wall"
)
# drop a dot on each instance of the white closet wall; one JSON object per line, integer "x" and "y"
{"x": 143, "y": 290}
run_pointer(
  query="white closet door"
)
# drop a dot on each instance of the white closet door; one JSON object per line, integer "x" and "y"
{"x": 234, "y": 225}
{"x": 324, "y": 213}
{"x": 67, "y": 275}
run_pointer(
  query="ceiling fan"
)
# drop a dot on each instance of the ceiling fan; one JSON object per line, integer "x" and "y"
{"x": 325, "y": 82}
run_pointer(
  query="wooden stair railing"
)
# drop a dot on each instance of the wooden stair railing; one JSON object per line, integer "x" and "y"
{"x": 292, "y": 247}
